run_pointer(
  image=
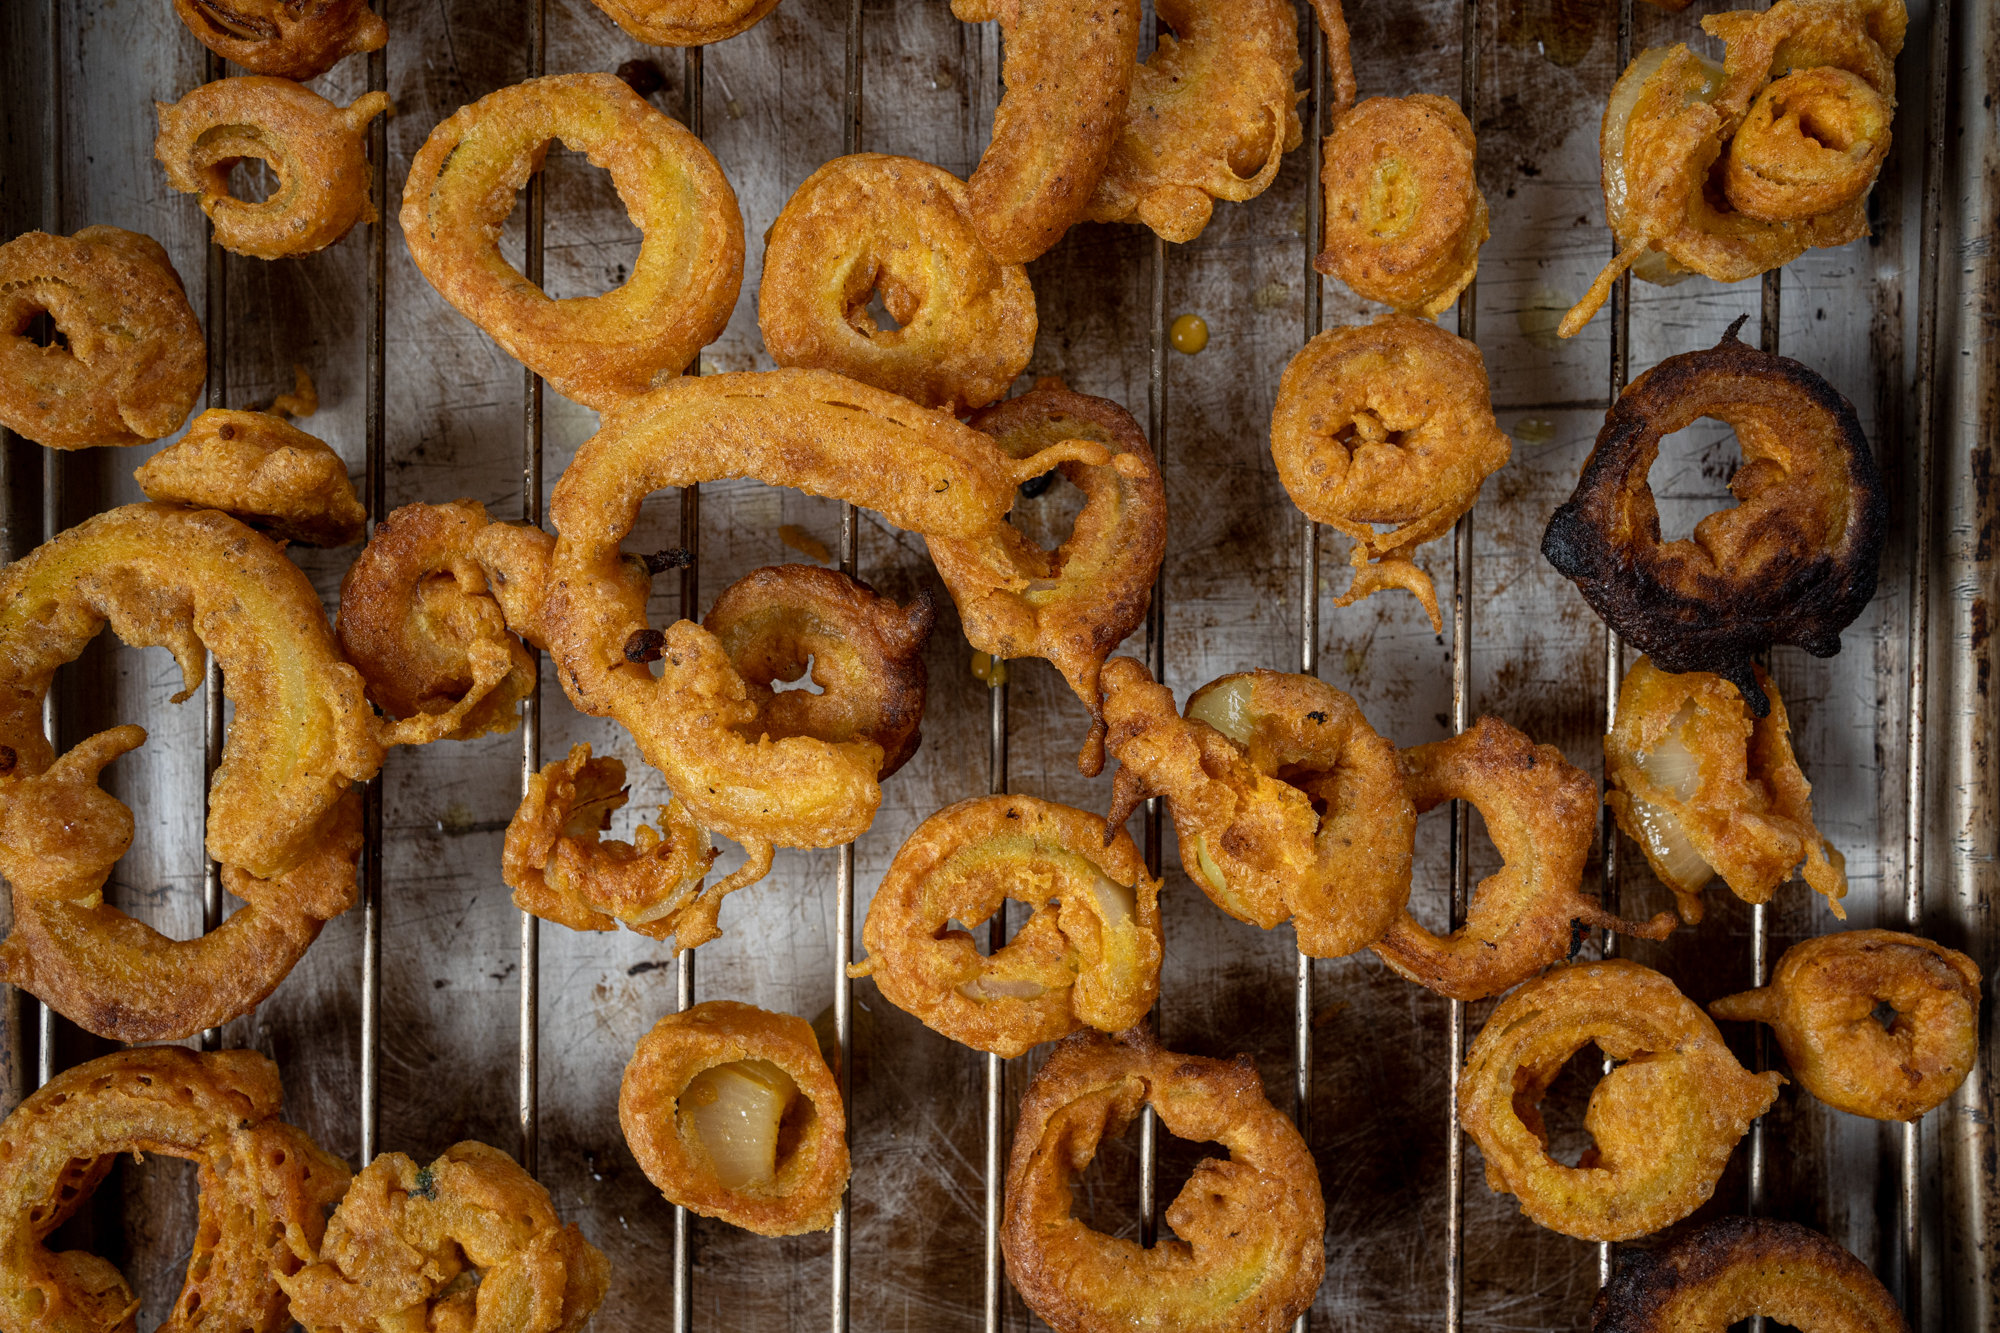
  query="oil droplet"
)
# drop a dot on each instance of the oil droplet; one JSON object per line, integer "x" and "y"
{"x": 941, "y": 78}
{"x": 1189, "y": 334}
{"x": 1534, "y": 430}
{"x": 993, "y": 672}
{"x": 1540, "y": 315}
{"x": 1272, "y": 295}
{"x": 804, "y": 543}
{"x": 735, "y": 109}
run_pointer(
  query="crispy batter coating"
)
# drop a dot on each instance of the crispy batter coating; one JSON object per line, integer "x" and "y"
{"x": 1073, "y": 605}
{"x": 871, "y": 223}
{"x": 1389, "y": 423}
{"x": 1822, "y": 1004}
{"x": 134, "y": 360}
{"x": 1663, "y": 1122}
{"x": 1541, "y": 813}
{"x": 312, "y": 145}
{"x": 1794, "y": 562}
{"x": 290, "y": 39}
{"x": 262, "y": 470}
{"x": 599, "y": 350}
{"x": 1248, "y": 1250}
{"x": 1810, "y": 143}
{"x": 810, "y": 1168}
{"x": 1404, "y": 215}
{"x": 470, "y": 1242}
{"x": 686, "y": 22}
{"x": 1089, "y": 956}
{"x": 1068, "y": 69}
{"x": 1716, "y": 1276}
{"x": 265, "y": 1189}
{"x": 1705, "y": 789}
{"x": 1285, "y": 802}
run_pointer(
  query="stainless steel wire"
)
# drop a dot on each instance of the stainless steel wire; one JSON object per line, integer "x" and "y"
{"x": 1156, "y": 665}
{"x": 52, "y": 469}
{"x": 375, "y": 481}
{"x": 528, "y": 1074}
{"x": 996, "y": 1068}
{"x": 215, "y": 324}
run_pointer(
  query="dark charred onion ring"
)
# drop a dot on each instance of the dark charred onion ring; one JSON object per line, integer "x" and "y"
{"x": 781, "y": 1169}
{"x": 1541, "y": 812}
{"x": 134, "y": 361}
{"x": 290, "y": 39}
{"x": 598, "y": 350}
{"x": 965, "y": 323}
{"x": 1249, "y": 1247}
{"x": 264, "y": 1186}
{"x": 686, "y": 22}
{"x": 262, "y": 471}
{"x": 1088, "y": 956}
{"x": 312, "y": 145}
{"x": 1794, "y": 562}
{"x": 1822, "y": 1004}
{"x": 1664, "y": 1121}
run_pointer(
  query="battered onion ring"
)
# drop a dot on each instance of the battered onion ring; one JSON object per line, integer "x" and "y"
{"x": 263, "y": 471}
{"x": 686, "y": 22}
{"x": 1663, "y": 1122}
{"x": 1387, "y": 423}
{"x": 1794, "y": 562}
{"x": 1210, "y": 116}
{"x": 1822, "y": 1002}
{"x": 471, "y": 1242}
{"x": 811, "y": 1167}
{"x": 1404, "y": 215}
{"x": 1285, "y": 802}
{"x": 1068, "y": 70}
{"x": 965, "y": 323}
{"x": 1780, "y": 170}
{"x": 598, "y": 350}
{"x": 1073, "y": 605}
{"x": 1704, "y": 790}
{"x": 1089, "y": 956}
{"x": 1250, "y": 1249}
{"x": 291, "y": 39}
{"x": 1718, "y": 1275}
{"x": 265, "y": 1188}
{"x": 134, "y": 360}
{"x": 312, "y": 145}
{"x": 1541, "y": 812}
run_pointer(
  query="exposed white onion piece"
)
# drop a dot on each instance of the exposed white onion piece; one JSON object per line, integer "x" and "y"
{"x": 1227, "y": 709}
{"x": 1617, "y": 116}
{"x": 1673, "y": 766}
{"x": 1115, "y": 902}
{"x": 1209, "y": 870}
{"x": 735, "y": 1110}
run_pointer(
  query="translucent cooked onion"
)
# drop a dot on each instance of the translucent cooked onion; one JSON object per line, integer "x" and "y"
{"x": 1618, "y": 114}
{"x": 1227, "y": 709}
{"x": 1115, "y": 902}
{"x": 1673, "y": 766}
{"x": 1209, "y": 870}
{"x": 734, "y": 1110}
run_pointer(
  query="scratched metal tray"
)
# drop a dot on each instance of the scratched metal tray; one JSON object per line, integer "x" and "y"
{"x": 433, "y": 1015}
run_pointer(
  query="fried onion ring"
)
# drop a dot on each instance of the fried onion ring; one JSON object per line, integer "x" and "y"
{"x": 1249, "y": 1249}
{"x": 1663, "y": 1123}
{"x": 686, "y": 22}
{"x": 771, "y": 1157}
{"x": 1822, "y": 1004}
{"x": 312, "y": 145}
{"x": 1794, "y": 562}
{"x": 598, "y": 350}
{"x": 1285, "y": 802}
{"x": 470, "y": 1242}
{"x": 1541, "y": 812}
{"x": 289, "y": 39}
{"x": 265, "y": 1187}
{"x": 1717, "y": 1276}
{"x": 1089, "y": 956}
{"x": 1387, "y": 423}
{"x": 131, "y": 361}
{"x": 1704, "y": 789}
{"x": 1068, "y": 70}
{"x": 965, "y": 323}
{"x": 264, "y": 472}
{"x": 1074, "y": 605}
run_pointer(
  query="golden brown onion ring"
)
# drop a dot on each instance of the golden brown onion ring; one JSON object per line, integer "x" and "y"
{"x": 134, "y": 358}
{"x": 686, "y": 22}
{"x": 765, "y": 1064}
{"x": 290, "y": 39}
{"x": 1811, "y": 142}
{"x": 1664, "y": 1122}
{"x": 965, "y": 323}
{"x": 310, "y": 144}
{"x": 1088, "y": 956}
{"x": 1822, "y": 1004}
{"x": 1248, "y": 1253}
{"x": 599, "y": 350}
{"x": 261, "y": 470}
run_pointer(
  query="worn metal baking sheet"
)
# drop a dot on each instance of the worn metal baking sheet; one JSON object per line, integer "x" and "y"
{"x": 772, "y": 111}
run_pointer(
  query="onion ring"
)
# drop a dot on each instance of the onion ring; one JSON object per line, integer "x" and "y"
{"x": 134, "y": 361}
{"x": 1664, "y": 1121}
{"x": 1779, "y": 170}
{"x": 262, "y": 471}
{"x": 264, "y": 1188}
{"x": 597, "y": 350}
{"x": 686, "y": 22}
{"x": 965, "y": 323}
{"x": 803, "y": 1145}
{"x": 1795, "y": 562}
{"x": 470, "y": 1242}
{"x": 1387, "y": 423}
{"x": 1088, "y": 956}
{"x": 289, "y": 39}
{"x": 1250, "y": 1248}
{"x": 312, "y": 145}
{"x": 1074, "y": 605}
{"x": 1822, "y": 1003}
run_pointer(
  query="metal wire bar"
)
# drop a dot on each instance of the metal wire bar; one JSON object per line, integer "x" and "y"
{"x": 1156, "y": 665}
{"x": 375, "y": 480}
{"x": 52, "y": 470}
{"x": 215, "y": 324}
{"x": 528, "y": 1081}
{"x": 996, "y": 1068}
